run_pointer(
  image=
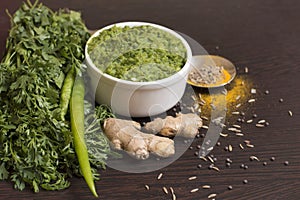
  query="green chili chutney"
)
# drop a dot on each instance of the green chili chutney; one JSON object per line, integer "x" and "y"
{"x": 140, "y": 53}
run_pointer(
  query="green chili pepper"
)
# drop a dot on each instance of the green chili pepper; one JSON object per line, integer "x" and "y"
{"x": 66, "y": 92}
{"x": 77, "y": 126}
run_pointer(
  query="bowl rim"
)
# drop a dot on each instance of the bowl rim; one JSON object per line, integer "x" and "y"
{"x": 182, "y": 73}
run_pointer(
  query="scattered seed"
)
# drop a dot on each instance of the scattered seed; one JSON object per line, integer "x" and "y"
{"x": 217, "y": 47}
{"x": 230, "y": 148}
{"x": 245, "y": 181}
{"x": 239, "y": 134}
{"x": 280, "y": 100}
{"x": 290, "y": 113}
{"x": 218, "y": 143}
{"x": 247, "y": 141}
{"x": 196, "y": 153}
{"x": 238, "y": 97}
{"x": 254, "y": 115}
{"x": 236, "y": 126}
{"x": 211, "y": 196}
{"x": 286, "y": 163}
{"x": 192, "y": 178}
{"x": 259, "y": 125}
{"x": 239, "y": 120}
{"x": 228, "y": 160}
{"x": 241, "y": 146}
{"x": 198, "y": 146}
{"x": 199, "y": 166}
{"x": 194, "y": 190}
{"x": 226, "y": 148}
{"x": 265, "y": 163}
{"x": 210, "y": 148}
{"x": 272, "y": 158}
{"x": 234, "y": 130}
{"x": 191, "y": 148}
{"x": 206, "y": 186}
{"x": 159, "y": 176}
{"x": 242, "y": 166}
{"x": 235, "y": 113}
{"x": 223, "y": 134}
{"x": 253, "y": 91}
{"x": 210, "y": 159}
{"x": 165, "y": 190}
{"x": 172, "y": 190}
{"x": 251, "y": 100}
{"x": 202, "y": 135}
{"x": 242, "y": 114}
{"x": 205, "y": 127}
{"x": 250, "y": 145}
{"x": 230, "y": 187}
{"x": 249, "y": 121}
{"x": 252, "y": 158}
{"x": 216, "y": 168}
{"x": 228, "y": 164}
{"x": 267, "y": 92}
{"x": 204, "y": 118}
{"x": 238, "y": 105}
{"x": 147, "y": 187}
{"x": 261, "y": 121}
{"x": 267, "y": 123}
{"x": 203, "y": 158}
{"x": 246, "y": 167}
{"x": 173, "y": 197}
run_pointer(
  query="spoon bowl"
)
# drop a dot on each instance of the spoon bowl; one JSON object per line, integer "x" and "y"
{"x": 216, "y": 61}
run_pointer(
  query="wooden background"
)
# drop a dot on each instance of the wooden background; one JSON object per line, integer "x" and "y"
{"x": 262, "y": 35}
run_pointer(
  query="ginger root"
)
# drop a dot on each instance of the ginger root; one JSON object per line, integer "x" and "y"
{"x": 126, "y": 135}
{"x": 185, "y": 125}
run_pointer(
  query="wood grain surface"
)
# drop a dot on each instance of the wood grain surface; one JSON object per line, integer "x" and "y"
{"x": 261, "y": 35}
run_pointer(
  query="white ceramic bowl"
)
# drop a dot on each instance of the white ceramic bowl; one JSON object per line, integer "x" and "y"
{"x": 138, "y": 99}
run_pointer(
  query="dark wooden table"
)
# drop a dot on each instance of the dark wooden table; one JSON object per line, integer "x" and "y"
{"x": 261, "y": 35}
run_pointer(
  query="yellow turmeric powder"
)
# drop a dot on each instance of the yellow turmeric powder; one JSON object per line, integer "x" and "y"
{"x": 233, "y": 98}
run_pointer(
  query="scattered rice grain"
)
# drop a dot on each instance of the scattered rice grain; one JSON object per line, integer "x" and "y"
{"x": 261, "y": 121}
{"x": 194, "y": 190}
{"x": 210, "y": 159}
{"x": 206, "y": 186}
{"x": 290, "y": 113}
{"x": 259, "y": 125}
{"x": 230, "y": 148}
{"x": 249, "y": 121}
{"x": 147, "y": 187}
{"x": 251, "y": 100}
{"x": 165, "y": 190}
{"x": 223, "y": 134}
{"x": 241, "y": 146}
{"x": 211, "y": 195}
{"x": 159, "y": 176}
{"x": 203, "y": 158}
{"x": 254, "y": 158}
{"x": 236, "y": 126}
{"x": 192, "y": 178}
{"x": 205, "y": 127}
{"x": 216, "y": 168}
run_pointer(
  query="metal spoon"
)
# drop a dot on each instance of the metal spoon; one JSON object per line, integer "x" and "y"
{"x": 212, "y": 60}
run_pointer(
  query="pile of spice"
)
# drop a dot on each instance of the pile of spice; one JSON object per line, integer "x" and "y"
{"x": 209, "y": 75}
